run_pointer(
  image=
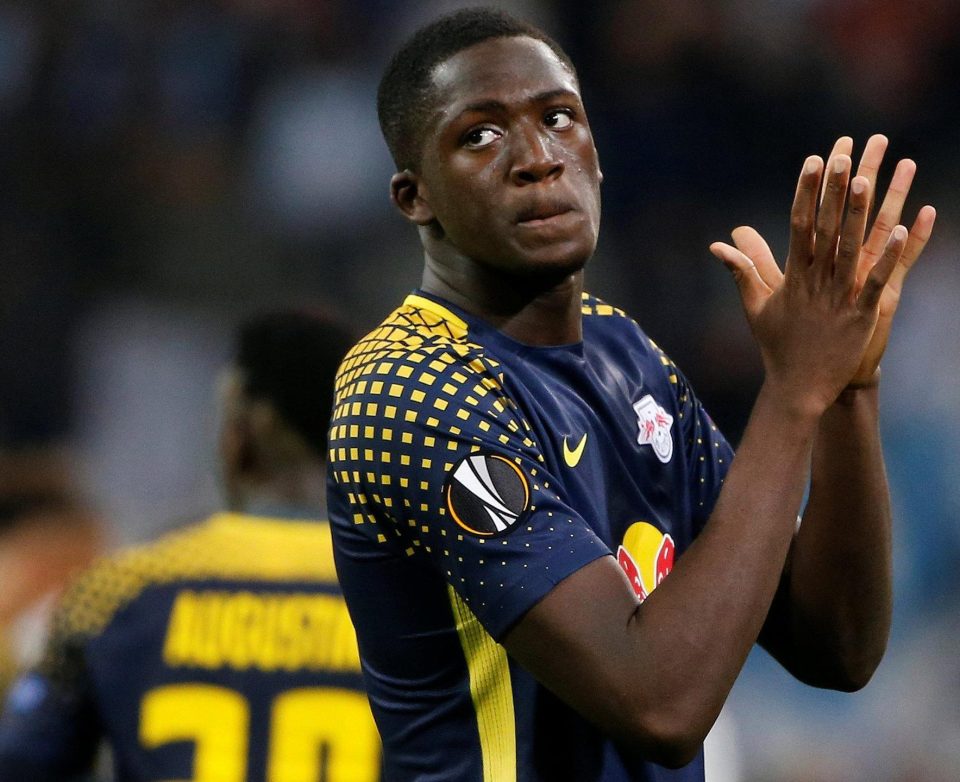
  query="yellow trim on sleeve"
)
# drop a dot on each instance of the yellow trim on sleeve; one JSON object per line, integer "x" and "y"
{"x": 492, "y": 694}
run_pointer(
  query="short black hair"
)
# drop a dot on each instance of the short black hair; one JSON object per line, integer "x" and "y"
{"x": 289, "y": 358}
{"x": 406, "y": 93}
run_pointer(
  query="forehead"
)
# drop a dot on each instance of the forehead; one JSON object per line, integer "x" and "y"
{"x": 506, "y": 70}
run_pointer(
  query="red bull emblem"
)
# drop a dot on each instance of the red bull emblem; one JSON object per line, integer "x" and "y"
{"x": 654, "y": 423}
{"x": 646, "y": 556}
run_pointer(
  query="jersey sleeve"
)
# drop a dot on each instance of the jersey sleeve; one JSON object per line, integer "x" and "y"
{"x": 433, "y": 461}
{"x": 49, "y": 728}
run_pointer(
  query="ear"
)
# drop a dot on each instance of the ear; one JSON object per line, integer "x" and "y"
{"x": 408, "y": 193}
{"x": 233, "y": 435}
{"x": 599, "y": 169}
{"x": 237, "y": 453}
{"x": 263, "y": 420}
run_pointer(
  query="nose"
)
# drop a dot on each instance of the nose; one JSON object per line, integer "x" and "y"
{"x": 534, "y": 157}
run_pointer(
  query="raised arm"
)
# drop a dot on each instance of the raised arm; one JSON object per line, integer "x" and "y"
{"x": 831, "y": 618}
{"x": 655, "y": 675}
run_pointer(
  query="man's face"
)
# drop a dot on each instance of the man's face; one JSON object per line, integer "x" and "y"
{"x": 509, "y": 168}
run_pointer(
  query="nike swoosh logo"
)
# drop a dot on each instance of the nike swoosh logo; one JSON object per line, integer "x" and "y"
{"x": 572, "y": 457}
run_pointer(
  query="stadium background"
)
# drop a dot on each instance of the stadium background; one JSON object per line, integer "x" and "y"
{"x": 169, "y": 166}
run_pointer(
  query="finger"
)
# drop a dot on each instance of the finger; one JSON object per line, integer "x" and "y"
{"x": 842, "y": 146}
{"x": 749, "y": 241}
{"x": 851, "y": 239}
{"x": 803, "y": 217}
{"x": 830, "y": 217}
{"x": 889, "y": 214}
{"x": 752, "y": 288}
{"x": 870, "y": 162}
{"x": 881, "y": 271}
{"x": 919, "y": 236}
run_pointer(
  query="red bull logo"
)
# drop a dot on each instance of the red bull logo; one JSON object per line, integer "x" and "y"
{"x": 646, "y": 556}
{"x": 654, "y": 423}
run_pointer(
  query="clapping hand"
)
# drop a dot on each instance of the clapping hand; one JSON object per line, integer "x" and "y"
{"x": 831, "y": 270}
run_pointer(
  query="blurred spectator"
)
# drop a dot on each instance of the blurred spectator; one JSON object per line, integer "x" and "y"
{"x": 47, "y": 534}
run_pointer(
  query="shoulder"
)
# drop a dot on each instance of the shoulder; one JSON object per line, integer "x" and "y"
{"x": 620, "y": 335}
{"x": 604, "y": 320}
{"x": 96, "y": 594}
{"x": 422, "y": 354}
{"x": 608, "y": 322}
{"x": 418, "y": 331}
{"x": 594, "y": 307}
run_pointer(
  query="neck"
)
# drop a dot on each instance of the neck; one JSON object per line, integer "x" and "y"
{"x": 543, "y": 311}
{"x": 303, "y": 491}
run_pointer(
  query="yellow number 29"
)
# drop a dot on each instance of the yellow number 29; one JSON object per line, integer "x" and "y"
{"x": 316, "y": 734}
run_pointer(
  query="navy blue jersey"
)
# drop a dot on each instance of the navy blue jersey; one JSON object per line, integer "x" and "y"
{"x": 468, "y": 475}
{"x": 219, "y": 653}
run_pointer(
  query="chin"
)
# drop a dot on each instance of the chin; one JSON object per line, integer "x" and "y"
{"x": 544, "y": 275}
{"x": 555, "y": 265}
{"x": 562, "y": 268}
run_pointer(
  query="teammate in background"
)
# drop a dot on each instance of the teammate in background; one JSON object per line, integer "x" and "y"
{"x": 554, "y": 563}
{"x": 222, "y": 652}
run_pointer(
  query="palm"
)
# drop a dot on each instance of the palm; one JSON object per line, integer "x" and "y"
{"x": 878, "y": 342}
{"x": 888, "y": 216}
{"x": 752, "y": 245}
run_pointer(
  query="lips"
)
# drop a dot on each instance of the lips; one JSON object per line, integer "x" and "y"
{"x": 543, "y": 210}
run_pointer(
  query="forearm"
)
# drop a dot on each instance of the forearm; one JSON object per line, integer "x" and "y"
{"x": 723, "y": 585}
{"x": 656, "y": 675}
{"x": 832, "y": 620}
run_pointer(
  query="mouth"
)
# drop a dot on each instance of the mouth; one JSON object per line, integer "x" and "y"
{"x": 541, "y": 212}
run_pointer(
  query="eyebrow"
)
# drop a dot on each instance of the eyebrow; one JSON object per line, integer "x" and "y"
{"x": 495, "y": 105}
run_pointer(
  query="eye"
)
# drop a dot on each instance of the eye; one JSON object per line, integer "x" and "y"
{"x": 558, "y": 119}
{"x": 478, "y": 138}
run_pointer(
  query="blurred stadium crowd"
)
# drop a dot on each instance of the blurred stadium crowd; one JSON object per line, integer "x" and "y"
{"x": 169, "y": 167}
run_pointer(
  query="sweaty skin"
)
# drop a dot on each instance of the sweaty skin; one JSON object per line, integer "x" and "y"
{"x": 506, "y": 198}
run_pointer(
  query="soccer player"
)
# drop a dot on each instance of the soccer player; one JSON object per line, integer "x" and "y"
{"x": 222, "y": 652}
{"x": 555, "y": 565}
